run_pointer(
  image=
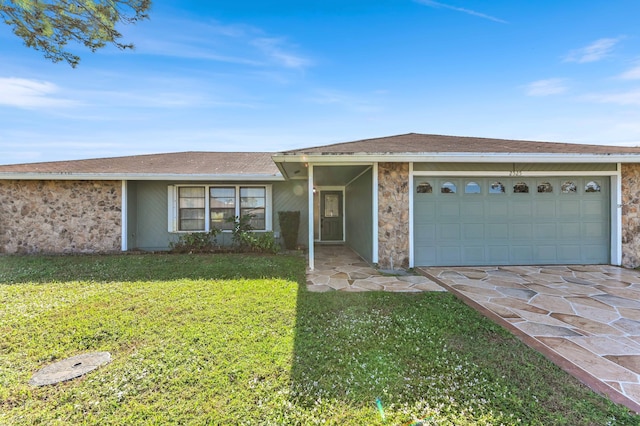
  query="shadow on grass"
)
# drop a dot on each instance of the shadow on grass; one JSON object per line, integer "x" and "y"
{"x": 428, "y": 355}
{"x": 148, "y": 267}
{"x": 351, "y": 349}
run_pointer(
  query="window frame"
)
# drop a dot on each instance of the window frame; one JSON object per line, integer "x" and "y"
{"x": 173, "y": 192}
{"x": 229, "y": 226}
{"x": 200, "y": 209}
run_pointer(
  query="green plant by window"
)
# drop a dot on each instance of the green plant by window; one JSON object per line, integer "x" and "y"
{"x": 265, "y": 242}
{"x": 241, "y": 232}
{"x": 244, "y": 240}
{"x": 196, "y": 242}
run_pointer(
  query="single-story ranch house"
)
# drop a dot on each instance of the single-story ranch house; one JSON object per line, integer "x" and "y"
{"x": 399, "y": 201}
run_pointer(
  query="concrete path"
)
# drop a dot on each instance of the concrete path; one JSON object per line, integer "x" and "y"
{"x": 586, "y": 319}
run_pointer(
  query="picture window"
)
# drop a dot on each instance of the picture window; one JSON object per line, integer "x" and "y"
{"x": 196, "y": 212}
{"x": 222, "y": 205}
{"x": 191, "y": 208}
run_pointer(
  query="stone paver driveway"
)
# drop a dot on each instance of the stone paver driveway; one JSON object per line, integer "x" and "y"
{"x": 584, "y": 318}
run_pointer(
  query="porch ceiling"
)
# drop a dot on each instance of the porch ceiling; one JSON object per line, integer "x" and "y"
{"x": 324, "y": 175}
{"x": 336, "y": 175}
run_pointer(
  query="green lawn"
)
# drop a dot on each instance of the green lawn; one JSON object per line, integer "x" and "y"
{"x": 232, "y": 339}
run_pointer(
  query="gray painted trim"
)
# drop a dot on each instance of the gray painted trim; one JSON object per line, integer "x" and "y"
{"x": 616, "y": 198}
{"x": 616, "y": 217}
{"x": 356, "y": 178}
{"x": 502, "y": 173}
{"x": 311, "y": 251}
{"x": 511, "y": 167}
{"x": 375, "y": 207}
{"x": 124, "y": 220}
{"x": 411, "y": 179}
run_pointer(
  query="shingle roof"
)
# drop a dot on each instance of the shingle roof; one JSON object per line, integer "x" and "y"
{"x": 421, "y": 143}
{"x": 180, "y": 163}
{"x": 261, "y": 164}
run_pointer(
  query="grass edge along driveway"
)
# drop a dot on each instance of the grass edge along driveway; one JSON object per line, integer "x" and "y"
{"x": 233, "y": 339}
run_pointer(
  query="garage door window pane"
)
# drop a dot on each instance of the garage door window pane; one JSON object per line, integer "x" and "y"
{"x": 496, "y": 188}
{"x": 472, "y": 188}
{"x": 592, "y": 187}
{"x": 448, "y": 188}
{"x": 424, "y": 188}
{"x": 545, "y": 187}
{"x": 520, "y": 188}
{"x": 568, "y": 188}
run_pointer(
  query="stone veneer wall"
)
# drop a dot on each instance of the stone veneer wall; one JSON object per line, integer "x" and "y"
{"x": 393, "y": 215}
{"x": 631, "y": 215}
{"x": 60, "y": 216}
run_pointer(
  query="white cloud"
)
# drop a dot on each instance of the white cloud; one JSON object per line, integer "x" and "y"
{"x": 632, "y": 74}
{"x": 273, "y": 48}
{"x": 31, "y": 94}
{"x": 436, "y": 4}
{"x": 213, "y": 41}
{"x": 344, "y": 100}
{"x": 551, "y": 86}
{"x": 596, "y": 51}
{"x": 631, "y": 97}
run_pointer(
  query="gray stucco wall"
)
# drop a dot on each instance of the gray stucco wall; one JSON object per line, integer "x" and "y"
{"x": 132, "y": 215}
{"x": 150, "y": 209}
{"x": 358, "y": 215}
{"x": 292, "y": 196}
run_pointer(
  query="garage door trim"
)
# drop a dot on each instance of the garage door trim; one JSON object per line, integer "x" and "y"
{"x": 615, "y": 197}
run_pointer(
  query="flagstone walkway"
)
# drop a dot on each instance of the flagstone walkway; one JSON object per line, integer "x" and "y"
{"x": 337, "y": 267}
{"x": 586, "y": 319}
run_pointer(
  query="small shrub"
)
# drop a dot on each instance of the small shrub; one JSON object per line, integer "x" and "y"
{"x": 244, "y": 240}
{"x": 289, "y": 225}
{"x": 241, "y": 231}
{"x": 264, "y": 242}
{"x": 196, "y": 242}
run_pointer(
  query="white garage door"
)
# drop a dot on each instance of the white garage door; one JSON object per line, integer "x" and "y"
{"x": 511, "y": 221}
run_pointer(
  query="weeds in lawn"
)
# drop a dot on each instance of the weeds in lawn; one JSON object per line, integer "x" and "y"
{"x": 230, "y": 339}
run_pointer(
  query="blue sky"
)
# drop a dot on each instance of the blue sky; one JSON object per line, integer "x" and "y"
{"x": 277, "y": 75}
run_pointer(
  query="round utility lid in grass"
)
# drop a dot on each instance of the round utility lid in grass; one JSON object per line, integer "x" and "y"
{"x": 69, "y": 368}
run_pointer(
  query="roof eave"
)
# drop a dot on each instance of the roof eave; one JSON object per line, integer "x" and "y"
{"x": 461, "y": 157}
{"x": 141, "y": 176}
